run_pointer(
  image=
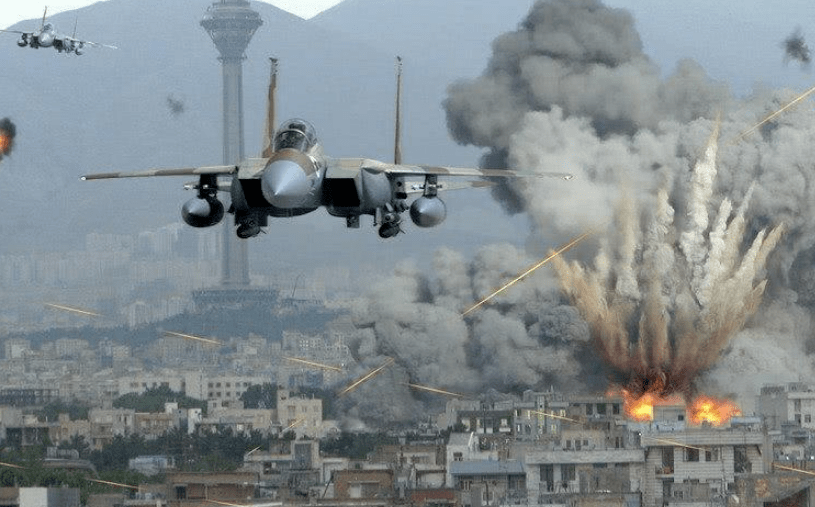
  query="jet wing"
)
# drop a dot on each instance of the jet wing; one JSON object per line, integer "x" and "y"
{"x": 91, "y": 43}
{"x": 180, "y": 171}
{"x": 417, "y": 187}
{"x": 17, "y": 31}
{"x": 423, "y": 170}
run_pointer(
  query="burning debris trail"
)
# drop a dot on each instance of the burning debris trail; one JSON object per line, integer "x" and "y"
{"x": 209, "y": 341}
{"x": 368, "y": 376}
{"x": 313, "y": 364}
{"x": 520, "y": 277}
{"x": 433, "y": 390}
{"x": 675, "y": 297}
{"x": 7, "y": 133}
{"x": 72, "y": 309}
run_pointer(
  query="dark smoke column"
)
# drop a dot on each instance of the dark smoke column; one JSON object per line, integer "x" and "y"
{"x": 231, "y": 25}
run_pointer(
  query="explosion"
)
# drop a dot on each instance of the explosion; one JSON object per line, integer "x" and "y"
{"x": 664, "y": 306}
{"x": 675, "y": 297}
{"x": 7, "y": 132}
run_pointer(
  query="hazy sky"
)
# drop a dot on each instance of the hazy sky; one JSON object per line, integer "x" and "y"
{"x": 14, "y": 11}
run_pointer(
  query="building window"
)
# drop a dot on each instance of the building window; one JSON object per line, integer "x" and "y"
{"x": 691, "y": 454}
{"x": 807, "y": 418}
{"x": 457, "y": 456}
{"x": 712, "y": 454}
{"x": 547, "y": 474}
{"x": 741, "y": 462}
{"x": 568, "y": 472}
{"x": 181, "y": 492}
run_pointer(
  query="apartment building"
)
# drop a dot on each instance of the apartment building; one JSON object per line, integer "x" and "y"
{"x": 793, "y": 402}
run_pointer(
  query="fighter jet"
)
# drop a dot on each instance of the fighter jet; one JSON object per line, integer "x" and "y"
{"x": 48, "y": 37}
{"x": 294, "y": 177}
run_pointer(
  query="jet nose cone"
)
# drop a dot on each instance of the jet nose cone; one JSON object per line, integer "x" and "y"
{"x": 285, "y": 184}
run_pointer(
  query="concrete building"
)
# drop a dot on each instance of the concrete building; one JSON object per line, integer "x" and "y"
{"x": 190, "y": 489}
{"x": 700, "y": 464}
{"x": 793, "y": 402}
{"x": 288, "y": 471}
{"x": 109, "y": 423}
{"x": 489, "y": 482}
{"x": 302, "y": 415}
{"x": 241, "y": 421}
{"x": 39, "y": 497}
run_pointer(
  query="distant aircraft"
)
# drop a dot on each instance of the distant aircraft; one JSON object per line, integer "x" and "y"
{"x": 293, "y": 177}
{"x": 48, "y": 37}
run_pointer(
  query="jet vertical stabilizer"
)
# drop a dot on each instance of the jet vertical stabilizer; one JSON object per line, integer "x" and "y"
{"x": 397, "y": 131}
{"x": 271, "y": 121}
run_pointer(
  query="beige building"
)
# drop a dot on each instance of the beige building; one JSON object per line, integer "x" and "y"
{"x": 109, "y": 423}
{"x": 302, "y": 415}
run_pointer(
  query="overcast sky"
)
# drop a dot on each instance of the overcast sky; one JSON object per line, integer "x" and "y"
{"x": 14, "y": 11}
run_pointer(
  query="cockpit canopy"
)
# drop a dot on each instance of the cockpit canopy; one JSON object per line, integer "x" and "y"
{"x": 295, "y": 134}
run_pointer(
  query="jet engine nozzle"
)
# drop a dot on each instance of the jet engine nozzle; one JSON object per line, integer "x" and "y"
{"x": 199, "y": 212}
{"x": 285, "y": 184}
{"x": 428, "y": 211}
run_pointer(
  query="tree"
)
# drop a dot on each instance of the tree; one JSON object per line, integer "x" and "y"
{"x": 260, "y": 396}
{"x": 153, "y": 400}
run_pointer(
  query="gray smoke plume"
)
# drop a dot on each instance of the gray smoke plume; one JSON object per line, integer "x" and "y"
{"x": 7, "y": 133}
{"x": 571, "y": 90}
{"x": 795, "y": 48}
{"x": 175, "y": 106}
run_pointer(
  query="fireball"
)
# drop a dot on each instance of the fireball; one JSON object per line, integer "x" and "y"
{"x": 700, "y": 410}
{"x": 5, "y": 142}
{"x": 7, "y": 132}
{"x": 705, "y": 409}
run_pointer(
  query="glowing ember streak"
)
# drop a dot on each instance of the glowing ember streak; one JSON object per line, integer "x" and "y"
{"x": 312, "y": 363}
{"x": 366, "y": 377}
{"x": 433, "y": 390}
{"x": 230, "y": 504}
{"x": 192, "y": 337}
{"x": 114, "y": 483}
{"x": 547, "y": 414}
{"x": 11, "y": 465}
{"x": 782, "y": 467}
{"x": 71, "y": 309}
{"x": 674, "y": 442}
{"x": 772, "y": 115}
{"x": 711, "y": 410}
{"x": 292, "y": 425}
{"x": 530, "y": 270}
{"x": 253, "y": 450}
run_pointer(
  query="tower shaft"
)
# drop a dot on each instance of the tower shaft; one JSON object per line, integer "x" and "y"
{"x": 231, "y": 25}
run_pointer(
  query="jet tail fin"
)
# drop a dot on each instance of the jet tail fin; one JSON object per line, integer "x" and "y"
{"x": 268, "y": 137}
{"x": 44, "y": 12}
{"x": 397, "y": 131}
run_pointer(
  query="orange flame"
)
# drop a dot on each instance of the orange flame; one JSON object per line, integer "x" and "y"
{"x": 5, "y": 142}
{"x": 641, "y": 408}
{"x": 702, "y": 409}
{"x": 705, "y": 409}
